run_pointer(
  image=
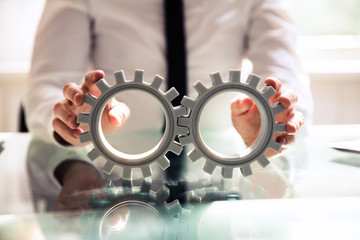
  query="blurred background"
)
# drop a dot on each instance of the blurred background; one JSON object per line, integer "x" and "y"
{"x": 329, "y": 45}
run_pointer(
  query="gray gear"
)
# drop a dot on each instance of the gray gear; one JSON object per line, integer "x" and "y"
{"x": 148, "y": 194}
{"x": 146, "y": 200}
{"x": 257, "y": 149}
{"x": 115, "y": 157}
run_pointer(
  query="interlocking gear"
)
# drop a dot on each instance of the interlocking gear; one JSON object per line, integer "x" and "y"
{"x": 131, "y": 161}
{"x": 149, "y": 194}
{"x": 133, "y": 205}
{"x": 257, "y": 149}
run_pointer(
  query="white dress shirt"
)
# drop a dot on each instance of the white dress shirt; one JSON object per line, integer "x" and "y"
{"x": 76, "y": 36}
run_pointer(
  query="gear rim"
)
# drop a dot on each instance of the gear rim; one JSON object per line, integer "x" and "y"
{"x": 130, "y": 161}
{"x": 258, "y": 148}
{"x": 149, "y": 196}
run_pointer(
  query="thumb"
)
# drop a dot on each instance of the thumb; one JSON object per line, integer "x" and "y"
{"x": 241, "y": 106}
{"x": 118, "y": 113}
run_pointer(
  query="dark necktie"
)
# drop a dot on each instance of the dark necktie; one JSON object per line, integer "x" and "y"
{"x": 176, "y": 69}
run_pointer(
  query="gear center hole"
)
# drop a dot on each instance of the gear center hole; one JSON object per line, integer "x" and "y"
{"x": 142, "y": 131}
{"x": 230, "y": 123}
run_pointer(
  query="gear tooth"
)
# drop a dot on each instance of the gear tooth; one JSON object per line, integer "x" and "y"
{"x": 163, "y": 162}
{"x": 183, "y": 121}
{"x": 175, "y": 148}
{"x": 188, "y": 102}
{"x": 127, "y": 183}
{"x": 145, "y": 186}
{"x": 209, "y": 167}
{"x": 111, "y": 184}
{"x": 194, "y": 155}
{"x": 126, "y": 172}
{"x": 234, "y": 76}
{"x": 174, "y": 208}
{"x": 253, "y": 80}
{"x": 90, "y": 100}
{"x": 162, "y": 194}
{"x": 85, "y": 137}
{"x": 246, "y": 170}
{"x": 190, "y": 196}
{"x": 102, "y": 85}
{"x": 182, "y": 131}
{"x": 275, "y": 146}
{"x": 120, "y": 77}
{"x": 171, "y": 94}
{"x": 200, "y": 88}
{"x": 93, "y": 154}
{"x": 277, "y": 108}
{"x": 263, "y": 161}
{"x": 227, "y": 172}
{"x": 146, "y": 171}
{"x": 180, "y": 111}
{"x": 280, "y": 127}
{"x": 83, "y": 118}
{"x": 108, "y": 167}
{"x": 216, "y": 78}
{"x": 185, "y": 140}
{"x": 139, "y": 76}
{"x": 268, "y": 92}
{"x": 156, "y": 83}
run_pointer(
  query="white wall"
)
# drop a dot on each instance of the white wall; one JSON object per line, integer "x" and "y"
{"x": 18, "y": 22}
{"x": 336, "y": 98}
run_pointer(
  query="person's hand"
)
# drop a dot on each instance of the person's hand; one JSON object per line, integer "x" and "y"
{"x": 66, "y": 111}
{"x": 80, "y": 181}
{"x": 246, "y": 117}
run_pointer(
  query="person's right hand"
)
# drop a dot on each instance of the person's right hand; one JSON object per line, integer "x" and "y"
{"x": 65, "y": 120}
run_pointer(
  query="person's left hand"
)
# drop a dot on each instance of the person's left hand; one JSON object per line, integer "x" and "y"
{"x": 246, "y": 118}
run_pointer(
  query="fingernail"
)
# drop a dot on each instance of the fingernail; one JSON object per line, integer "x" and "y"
{"x": 76, "y": 95}
{"x": 281, "y": 140}
{"x": 77, "y": 132}
{"x": 119, "y": 119}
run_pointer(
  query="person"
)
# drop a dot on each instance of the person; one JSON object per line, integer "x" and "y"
{"x": 75, "y": 37}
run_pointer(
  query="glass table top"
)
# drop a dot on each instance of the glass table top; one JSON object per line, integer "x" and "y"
{"x": 323, "y": 203}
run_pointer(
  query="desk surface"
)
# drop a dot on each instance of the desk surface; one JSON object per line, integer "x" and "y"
{"x": 326, "y": 204}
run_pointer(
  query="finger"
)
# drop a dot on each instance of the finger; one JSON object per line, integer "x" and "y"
{"x": 90, "y": 79}
{"x": 74, "y": 93}
{"x": 273, "y": 82}
{"x": 286, "y": 140}
{"x": 65, "y": 132}
{"x": 63, "y": 112}
{"x": 296, "y": 120}
{"x": 288, "y": 98}
{"x": 118, "y": 113}
{"x": 241, "y": 106}
{"x": 276, "y": 84}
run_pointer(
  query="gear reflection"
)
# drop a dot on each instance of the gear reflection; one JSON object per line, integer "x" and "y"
{"x": 147, "y": 209}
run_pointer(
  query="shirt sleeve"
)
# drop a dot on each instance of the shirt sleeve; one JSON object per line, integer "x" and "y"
{"x": 271, "y": 47}
{"x": 60, "y": 55}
